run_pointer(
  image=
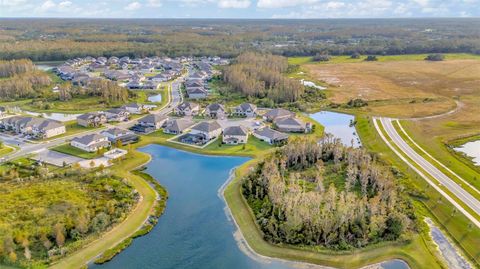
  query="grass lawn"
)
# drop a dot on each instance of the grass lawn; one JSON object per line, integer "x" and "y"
{"x": 70, "y": 150}
{"x": 253, "y": 147}
{"x": 428, "y": 202}
{"x": 5, "y": 150}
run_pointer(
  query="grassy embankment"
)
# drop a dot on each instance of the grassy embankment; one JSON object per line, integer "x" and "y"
{"x": 6, "y": 150}
{"x": 70, "y": 150}
{"x": 429, "y": 202}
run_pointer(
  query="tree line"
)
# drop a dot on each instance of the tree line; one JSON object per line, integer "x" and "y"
{"x": 321, "y": 193}
{"x": 260, "y": 75}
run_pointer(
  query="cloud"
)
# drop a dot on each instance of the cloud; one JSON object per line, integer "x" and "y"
{"x": 47, "y": 6}
{"x": 283, "y": 3}
{"x": 154, "y": 3}
{"x": 133, "y": 6}
{"x": 234, "y": 3}
{"x": 65, "y": 4}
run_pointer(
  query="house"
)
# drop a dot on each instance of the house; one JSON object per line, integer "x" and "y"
{"x": 207, "y": 129}
{"x": 117, "y": 134}
{"x": 197, "y": 93}
{"x": 215, "y": 111}
{"x": 155, "y": 121}
{"x": 90, "y": 142}
{"x": 292, "y": 125}
{"x": 277, "y": 113}
{"x": 92, "y": 119}
{"x": 177, "y": 126}
{"x": 245, "y": 110}
{"x": 36, "y": 127}
{"x": 117, "y": 114}
{"x": 187, "y": 109}
{"x": 48, "y": 128}
{"x": 270, "y": 136}
{"x": 234, "y": 135}
{"x": 134, "y": 108}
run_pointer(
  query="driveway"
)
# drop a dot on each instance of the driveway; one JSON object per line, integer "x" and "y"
{"x": 55, "y": 158}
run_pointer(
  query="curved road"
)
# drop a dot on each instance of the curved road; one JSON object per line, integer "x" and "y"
{"x": 444, "y": 180}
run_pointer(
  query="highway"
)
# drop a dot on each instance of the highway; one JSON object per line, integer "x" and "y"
{"x": 426, "y": 166}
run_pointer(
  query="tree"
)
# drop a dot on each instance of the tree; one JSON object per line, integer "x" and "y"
{"x": 435, "y": 57}
{"x": 355, "y": 55}
{"x": 371, "y": 58}
{"x": 321, "y": 58}
{"x": 59, "y": 231}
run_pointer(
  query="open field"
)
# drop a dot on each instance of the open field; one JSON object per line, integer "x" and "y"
{"x": 70, "y": 150}
{"x": 5, "y": 150}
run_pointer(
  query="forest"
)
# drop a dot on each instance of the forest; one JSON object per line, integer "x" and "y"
{"x": 47, "y": 213}
{"x": 261, "y": 75}
{"x": 52, "y": 39}
{"x": 323, "y": 194}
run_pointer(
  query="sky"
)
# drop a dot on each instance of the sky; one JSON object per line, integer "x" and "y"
{"x": 293, "y": 9}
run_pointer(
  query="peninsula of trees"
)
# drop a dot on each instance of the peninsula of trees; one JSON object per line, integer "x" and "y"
{"x": 312, "y": 193}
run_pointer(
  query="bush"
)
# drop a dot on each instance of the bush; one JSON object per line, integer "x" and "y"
{"x": 437, "y": 57}
{"x": 355, "y": 55}
{"x": 321, "y": 58}
{"x": 357, "y": 103}
{"x": 371, "y": 58}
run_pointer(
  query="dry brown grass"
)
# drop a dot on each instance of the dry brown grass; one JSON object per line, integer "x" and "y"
{"x": 398, "y": 88}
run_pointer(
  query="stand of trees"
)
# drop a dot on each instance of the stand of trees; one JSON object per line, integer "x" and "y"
{"x": 107, "y": 90}
{"x": 43, "y": 214}
{"x": 261, "y": 76}
{"x": 20, "y": 79}
{"x": 321, "y": 193}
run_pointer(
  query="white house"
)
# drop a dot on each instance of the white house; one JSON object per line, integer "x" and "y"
{"x": 155, "y": 121}
{"x": 208, "y": 129}
{"x": 187, "y": 109}
{"x": 134, "y": 108}
{"x": 234, "y": 135}
{"x": 270, "y": 136}
{"x": 245, "y": 110}
{"x": 91, "y": 142}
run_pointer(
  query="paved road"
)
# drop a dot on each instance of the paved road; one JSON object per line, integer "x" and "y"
{"x": 32, "y": 148}
{"x": 433, "y": 171}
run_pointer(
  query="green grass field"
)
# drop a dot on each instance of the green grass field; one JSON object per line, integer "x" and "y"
{"x": 5, "y": 150}
{"x": 70, "y": 150}
{"x": 386, "y": 58}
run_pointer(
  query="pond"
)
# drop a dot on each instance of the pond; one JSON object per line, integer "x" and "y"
{"x": 340, "y": 125}
{"x": 46, "y": 66}
{"x": 155, "y": 98}
{"x": 195, "y": 231}
{"x": 471, "y": 149}
{"x": 54, "y": 116}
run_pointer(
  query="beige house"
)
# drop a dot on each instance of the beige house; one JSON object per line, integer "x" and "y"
{"x": 234, "y": 135}
{"x": 208, "y": 130}
{"x": 92, "y": 119}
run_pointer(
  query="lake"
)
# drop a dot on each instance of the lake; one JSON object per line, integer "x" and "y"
{"x": 194, "y": 232}
{"x": 471, "y": 149}
{"x": 46, "y": 66}
{"x": 338, "y": 124}
{"x": 63, "y": 117}
{"x": 155, "y": 98}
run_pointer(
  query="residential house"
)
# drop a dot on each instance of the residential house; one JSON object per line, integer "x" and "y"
{"x": 187, "y": 109}
{"x": 245, "y": 110}
{"x": 177, "y": 126}
{"x": 197, "y": 93}
{"x": 215, "y": 111}
{"x": 92, "y": 119}
{"x": 277, "y": 113}
{"x": 36, "y": 127}
{"x": 117, "y": 134}
{"x": 292, "y": 125}
{"x": 134, "y": 108}
{"x": 234, "y": 135}
{"x": 90, "y": 142}
{"x": 207, "y": 129}
{"x": 117, "y": 114}
{"x": 155, "y": 121}
{"x": 270, "y": 136}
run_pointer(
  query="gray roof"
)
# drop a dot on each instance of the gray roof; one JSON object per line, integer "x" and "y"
{"x": 49, "y": 125}
{"x": 153, "y": 118}
{"x": 247, "y": 106}
{"x": 178, "y": 125}
{"x": 196, "y": 91}
{"x": 89, "y": 115}
{"x": 271, "y": 134}
{"x": 117, "y": 131}
{"x": 133, "y": 105}
{"x": 278, "y": 112}
{"x": 207, "y": 126}
{"x": 185, "y": 105}
{"x": 235, "y": 130}
{"x": 216, "y": 107}
{"x": 116, "y": 110}
{"x": 290, "y": 121}
{"x": 87, "y": 139}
